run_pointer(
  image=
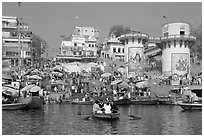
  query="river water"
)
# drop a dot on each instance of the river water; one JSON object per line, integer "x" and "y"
{"x": 67, "y": 119}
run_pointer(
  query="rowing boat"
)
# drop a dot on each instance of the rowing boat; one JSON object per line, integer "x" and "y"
{"x": 110, "y": 116}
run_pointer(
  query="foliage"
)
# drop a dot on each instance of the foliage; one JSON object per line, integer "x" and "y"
{"x": 196, "y": 49}
{"x": 39, "y": 46}
{"x": 118, "y": 30}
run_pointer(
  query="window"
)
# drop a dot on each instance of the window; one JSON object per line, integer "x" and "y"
{"x": 85, "y": 30}
{"x": 114, "y": 50}
{"x": 123, "y": 50}
{"x": 74, "y": 53}
{"x": 89, "y": 45}
{"x": 75, "y": 44}
{"x": 92, "y": 45}
{"x": 126, "y": 41}
{"x": 133, "y": 40}
{"x": 64, "y": 52}
{"x": 182, "y": 32}
{"x": 166, "y": 34}
{"x": 118, "y": 50}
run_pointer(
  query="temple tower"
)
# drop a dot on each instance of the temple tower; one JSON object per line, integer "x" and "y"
{"x": 134, "y": 50}
{"x": 176, "y": 41}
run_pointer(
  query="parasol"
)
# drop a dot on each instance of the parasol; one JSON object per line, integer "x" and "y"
{"x": 116, "y": 82}
{"x": 106, "y": 74}
{"x": 123, "y": 85}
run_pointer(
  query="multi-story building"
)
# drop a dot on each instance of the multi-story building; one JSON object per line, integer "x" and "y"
{"x": 80, "y": 46}
{"x": 10, "y": 41}
{"x": 113, "y": 48}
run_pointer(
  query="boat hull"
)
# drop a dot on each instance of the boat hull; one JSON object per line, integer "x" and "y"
{"x": 144, "y": 102}
{"x": 191, "y": 106}
{"x": 33, "y": 102}
{"x": 111, "y": 116}
{"x": 81, "y": 103}
{"x": 14, "y": 106}
{"x": 123, "y": 102}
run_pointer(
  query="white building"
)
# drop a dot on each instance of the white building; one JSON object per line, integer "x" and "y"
{"x": 80, "y": 46}
{"x": 113, "y": 48}
{"x": 10, "y": 41}
{"x": 176, "y": 42}
{"x": 135, "y": 43}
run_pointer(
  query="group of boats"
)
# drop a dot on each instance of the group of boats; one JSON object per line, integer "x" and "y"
{"x": 30, "y": 101}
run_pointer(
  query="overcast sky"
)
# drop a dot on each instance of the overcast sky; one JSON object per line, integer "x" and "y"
{"x": 51, "y": 20}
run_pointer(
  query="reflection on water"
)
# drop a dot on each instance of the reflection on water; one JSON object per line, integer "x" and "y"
{"x": 66, "y": 119}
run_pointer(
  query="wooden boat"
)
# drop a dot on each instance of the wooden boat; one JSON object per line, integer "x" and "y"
{"x": 191, "y": 106}
{"x": 82, "y": 102}
{"x": 124, "y": 101}
{"x": 14, "y": 106}
{"x": 144, "y": 102}
{"x": 33, "y": 102}
{"x": 111, "y": 116}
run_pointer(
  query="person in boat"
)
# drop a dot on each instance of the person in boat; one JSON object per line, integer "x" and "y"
{"x": 96, "y": 107}
{"x": 114, "y": 108}
{"x": 101, "y": 105}
{"x": 107, "y": 108}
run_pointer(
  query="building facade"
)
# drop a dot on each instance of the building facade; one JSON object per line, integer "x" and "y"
{"x": 113, "y": 48}
{"x": 10, "y": 42}
{"x": 176, "y": 42}
{"x": 80, "y": 46}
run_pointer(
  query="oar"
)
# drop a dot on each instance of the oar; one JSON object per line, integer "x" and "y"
{"x": 134, "y": 117}
{"x": 87, "y": 118}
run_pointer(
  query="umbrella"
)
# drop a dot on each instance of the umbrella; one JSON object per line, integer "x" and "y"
{"x": 131, "y": 75}
{"x": 60, "y": 82}
{"x": 10, "y": 91}
{"x": 35, "y": 89}
{"x": 35, "y": 77}
{"x": 86, "y": 80}
{"x": 142, "y": 84}
{"x": 122, "y": 70}
{"x": 4, "y": 76}
{"x": 27, "y": 88}
{"x": 123, "y": 85}
{"x": 97, "y": 83}
{"x": 59, "y": 68}
{"x": 57, "y": 73}
{"x": 28, "y": 71}
{"x": 116, "y": 82}
{"x": 106, "y": 74}
{"x": 4, "y": 88}
{"x": 11, "y": 86}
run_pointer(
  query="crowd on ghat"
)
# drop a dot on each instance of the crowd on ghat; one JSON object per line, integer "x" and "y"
{"x": 92, "y": 84}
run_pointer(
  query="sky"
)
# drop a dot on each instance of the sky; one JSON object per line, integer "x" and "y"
{"x": 51, "y": 20}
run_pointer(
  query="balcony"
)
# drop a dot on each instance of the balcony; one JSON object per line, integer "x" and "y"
{"x": 137, "y": 35}
{"x": 178, "y": 37}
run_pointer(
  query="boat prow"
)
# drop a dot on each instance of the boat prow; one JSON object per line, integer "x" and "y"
{"x": 33, "y": 102}
{"x": 111, "y": 116}
{"x": 191, "y": 106}
{"x": 14, "y": 106}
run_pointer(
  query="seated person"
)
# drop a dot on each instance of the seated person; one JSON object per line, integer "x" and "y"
{"x": 96, "y": 108}
{"x": 107, "y": 108}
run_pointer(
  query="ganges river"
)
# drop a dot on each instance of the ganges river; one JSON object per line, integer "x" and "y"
{"x": 67, "y": 119}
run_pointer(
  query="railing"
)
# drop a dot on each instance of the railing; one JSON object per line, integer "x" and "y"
{"x": 178, "y": 36}
{"x": 134, "y": 35}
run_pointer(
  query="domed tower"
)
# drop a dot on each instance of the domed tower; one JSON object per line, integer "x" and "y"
{"x": 134, "y": 50}
{"x": 176, "y": 41}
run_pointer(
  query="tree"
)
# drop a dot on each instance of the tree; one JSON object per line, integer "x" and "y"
{"x": 118, "y": 30}
{"x": 39, "y": 46}
{"x": 196, "y": 49}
